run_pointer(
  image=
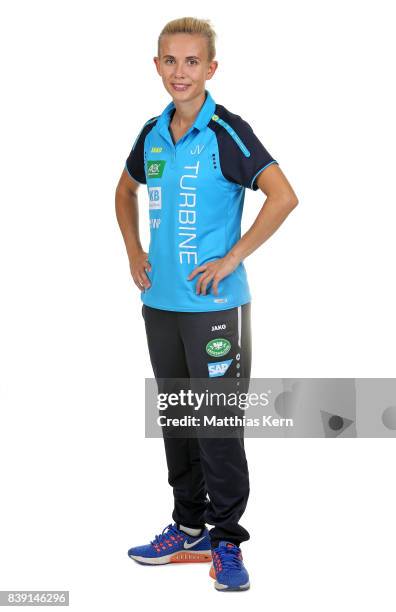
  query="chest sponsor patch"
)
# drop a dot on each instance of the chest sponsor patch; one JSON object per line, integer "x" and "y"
{"x": 155, "y": 198}
{"x": 219, "y": 368}
{"x": 155, "y": 168}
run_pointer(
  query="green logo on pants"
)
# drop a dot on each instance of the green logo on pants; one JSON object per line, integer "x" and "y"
{"x": 218, "y": 347}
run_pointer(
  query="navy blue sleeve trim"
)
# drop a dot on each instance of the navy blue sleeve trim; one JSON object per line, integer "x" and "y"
{"x": 242, "y": 155}
{"x": 132, "y": 177}
{"x": 254, "y": 185}
{"x": 135, "y": 162}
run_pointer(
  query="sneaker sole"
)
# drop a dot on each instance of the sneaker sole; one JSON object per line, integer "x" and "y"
{"x": 224, "y": 587}
{"x": 203, "y": 556}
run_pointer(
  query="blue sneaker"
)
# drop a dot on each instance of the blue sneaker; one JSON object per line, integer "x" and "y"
{"x": 173, "y": 546}
{"x": 228, "y": 570}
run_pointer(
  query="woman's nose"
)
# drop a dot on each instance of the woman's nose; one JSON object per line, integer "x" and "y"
{"x": 179, "y": 73}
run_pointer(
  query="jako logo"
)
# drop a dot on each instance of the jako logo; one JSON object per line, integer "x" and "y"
{"x": 219, "y": 368}
{"x": 217, "y": 327}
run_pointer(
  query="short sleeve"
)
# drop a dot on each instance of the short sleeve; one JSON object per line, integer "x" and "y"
{"x": 135, "y": 161}
{"x": 242, "y": 155}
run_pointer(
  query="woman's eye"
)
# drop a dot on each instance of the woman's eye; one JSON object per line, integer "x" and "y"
{"x": 169, "y": 60}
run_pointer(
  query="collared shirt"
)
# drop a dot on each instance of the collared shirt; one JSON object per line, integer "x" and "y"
{"x": 196, "y": 191}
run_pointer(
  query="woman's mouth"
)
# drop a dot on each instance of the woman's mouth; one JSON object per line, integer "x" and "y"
{"x": 179, "y": 86}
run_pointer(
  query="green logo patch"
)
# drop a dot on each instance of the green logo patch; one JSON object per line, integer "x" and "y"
{"x": 155, "y": 168}
{"x": 218, "y": 347}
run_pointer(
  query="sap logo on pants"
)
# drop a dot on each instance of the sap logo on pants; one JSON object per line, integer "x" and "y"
{"x": 219, "y": 368}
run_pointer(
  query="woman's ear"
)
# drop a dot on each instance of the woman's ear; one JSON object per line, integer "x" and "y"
{"x": 212, "y": 69}
{"x": 157, "y": 64}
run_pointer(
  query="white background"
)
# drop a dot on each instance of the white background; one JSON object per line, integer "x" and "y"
{"x": 79, "y": 483}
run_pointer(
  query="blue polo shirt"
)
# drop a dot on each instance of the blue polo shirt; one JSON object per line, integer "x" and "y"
{"x": 196, "y": 191}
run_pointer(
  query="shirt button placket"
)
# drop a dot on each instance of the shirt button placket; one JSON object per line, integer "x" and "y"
{"x": 173, "y": 156}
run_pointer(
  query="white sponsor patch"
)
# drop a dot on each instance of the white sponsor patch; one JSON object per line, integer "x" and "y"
{"x": 155, "y": 198}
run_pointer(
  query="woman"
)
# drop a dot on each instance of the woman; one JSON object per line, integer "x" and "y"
{"x": 196, "y": 159}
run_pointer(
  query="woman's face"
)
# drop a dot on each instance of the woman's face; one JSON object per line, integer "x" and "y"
{"x": 183, "y": 65}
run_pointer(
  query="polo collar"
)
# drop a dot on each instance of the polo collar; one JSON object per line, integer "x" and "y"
{"x": 201, "y": 121}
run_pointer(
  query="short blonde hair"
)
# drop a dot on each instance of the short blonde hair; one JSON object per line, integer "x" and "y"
{"x": 191, "y": 25}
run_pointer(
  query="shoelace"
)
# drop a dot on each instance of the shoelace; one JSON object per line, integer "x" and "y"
{"x": 230, "y": 557}
{"x": 166, "y": 533}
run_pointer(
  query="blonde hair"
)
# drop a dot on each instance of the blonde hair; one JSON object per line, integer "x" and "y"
{"x": 191, "y": 25}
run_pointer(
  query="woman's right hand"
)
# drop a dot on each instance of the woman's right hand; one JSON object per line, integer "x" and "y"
{"x": 138, "y": 265}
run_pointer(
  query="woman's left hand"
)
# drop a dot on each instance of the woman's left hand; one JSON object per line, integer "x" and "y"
{"x": 214, "y": 271}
